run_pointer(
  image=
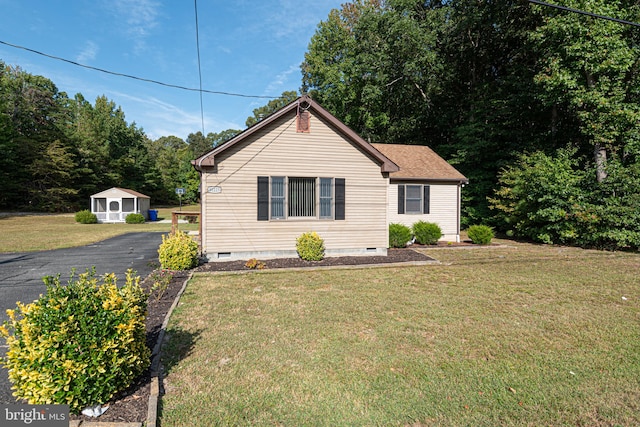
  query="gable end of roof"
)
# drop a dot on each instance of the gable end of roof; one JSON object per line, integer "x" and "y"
{"x": 386, "y": 164}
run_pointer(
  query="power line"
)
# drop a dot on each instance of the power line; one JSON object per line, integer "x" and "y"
{"x": 195, "y": 4}
{"x": 582, "y": 12}
{"x": 214, "y": 92}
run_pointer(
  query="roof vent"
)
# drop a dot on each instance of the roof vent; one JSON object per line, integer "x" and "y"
{"x": 303, "y": 116}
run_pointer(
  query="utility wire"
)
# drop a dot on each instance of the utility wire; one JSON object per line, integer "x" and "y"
{"x": 214, "y": 92}
{"x": 582, "y": 12}
{"x": 195, "y": 4}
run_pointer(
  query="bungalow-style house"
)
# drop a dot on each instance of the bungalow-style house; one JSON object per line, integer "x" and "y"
{"x": 114, "y": 204}
{"x": 301, "y": 169}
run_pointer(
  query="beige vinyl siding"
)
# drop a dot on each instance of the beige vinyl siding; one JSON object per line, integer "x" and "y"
{"x": 443, "y": 209}
{"x": 231, "y": 224}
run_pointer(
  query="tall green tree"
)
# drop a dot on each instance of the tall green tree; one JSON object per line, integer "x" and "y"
{"x": 374, "y": 65}
{"x": 31, "y": 107}
{"x": 589, "y": 66}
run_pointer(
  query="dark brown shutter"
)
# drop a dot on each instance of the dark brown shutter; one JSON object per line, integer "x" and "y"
{"x": 340, "y": 198}
{"x": 426, "y": 199}
{"x": 400, "y": 199}
{"x": 303, "y": 122}
{"x": 263, "y": 198}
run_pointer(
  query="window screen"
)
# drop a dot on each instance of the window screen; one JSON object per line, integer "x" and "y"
{"x": 277, "y": 197}
{"x": 326, "y": 197}
{"x": 302, "y": 197}
{"x": 100, "y": 205}
{"x": 413, "y": 199}
{"x": 128, "y": 205}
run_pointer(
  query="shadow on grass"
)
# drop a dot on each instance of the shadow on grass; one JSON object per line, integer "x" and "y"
{"x": 177, "y": 345}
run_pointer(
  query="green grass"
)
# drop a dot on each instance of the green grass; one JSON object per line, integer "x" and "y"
{"x": 27, "y": 233}
{"x": 524, "y": 335}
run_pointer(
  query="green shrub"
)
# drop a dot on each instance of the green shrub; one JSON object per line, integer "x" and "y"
{"x": 399, "y": 235}
{"x": 480, "y": 234}
{"x": 310, "y": 246}
{"x": 178, "y": 251}
{"x": 426, "y": 233}
{"x": 78, "y": 344}
{"x": 86, "y": 217}
{"x": 134, "y": 218}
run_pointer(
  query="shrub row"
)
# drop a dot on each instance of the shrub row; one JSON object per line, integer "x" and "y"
{"x": 88, "y": 217}
{"x": 425, "y": 233}
{"x": 428, "y": 233}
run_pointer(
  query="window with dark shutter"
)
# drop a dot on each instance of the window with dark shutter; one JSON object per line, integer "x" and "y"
{"x": 263, "y": 198}
{"x": 340, "y": 198}
{"x": 294, "y": 197}
{"x": 414, "y": 199}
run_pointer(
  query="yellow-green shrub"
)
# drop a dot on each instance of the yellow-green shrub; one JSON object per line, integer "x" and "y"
{"x": 178, "y": 251}
{"x": 310, "y": 246}
{"x": 78, "y": 344}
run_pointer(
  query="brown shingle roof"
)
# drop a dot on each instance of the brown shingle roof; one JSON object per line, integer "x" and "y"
{"x": 419, "y": 162}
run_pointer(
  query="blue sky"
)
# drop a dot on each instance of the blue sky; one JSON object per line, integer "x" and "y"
{"x": 246, "y": 47}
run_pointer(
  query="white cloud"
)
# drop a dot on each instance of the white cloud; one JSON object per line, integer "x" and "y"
{"x": 138, "y": 17}
{"x": 281, "y": 82}
{"x": 88, "y": 53}
{"x": 159, "y": 118}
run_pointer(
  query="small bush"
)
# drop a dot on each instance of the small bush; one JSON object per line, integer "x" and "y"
{"x": 399, "y": 235}
{"x": 310, "y": 246}
{"x": 426, "y": 233}
{"x": 80, "y": 343}
{"x": 86, "y": 217}
{"x": 480, "y": 234}
{"x": 134, "y": 218}
{"x": 178, "y": 251}
{"x": 161, "y": 280}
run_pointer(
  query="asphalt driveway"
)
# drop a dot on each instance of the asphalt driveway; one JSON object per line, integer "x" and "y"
{"x": 21, "y": 273}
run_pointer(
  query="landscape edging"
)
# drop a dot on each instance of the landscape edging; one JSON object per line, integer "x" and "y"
{"x": 154, "y": 395}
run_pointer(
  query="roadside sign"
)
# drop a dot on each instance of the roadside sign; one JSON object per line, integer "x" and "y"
{"x": 180, "y": 191}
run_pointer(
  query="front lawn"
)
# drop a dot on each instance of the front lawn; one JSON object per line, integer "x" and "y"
{"x": 522, "y": 335}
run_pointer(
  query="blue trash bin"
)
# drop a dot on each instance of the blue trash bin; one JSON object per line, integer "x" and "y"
{"x": 153, "y": 215}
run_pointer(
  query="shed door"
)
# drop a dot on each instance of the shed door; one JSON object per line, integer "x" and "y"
{"x": 113, "y": 212}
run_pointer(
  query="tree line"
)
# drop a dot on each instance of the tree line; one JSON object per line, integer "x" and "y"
{"x": 537, "y": 106}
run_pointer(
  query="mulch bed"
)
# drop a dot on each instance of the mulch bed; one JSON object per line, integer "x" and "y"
{"x": 131, "y": 405}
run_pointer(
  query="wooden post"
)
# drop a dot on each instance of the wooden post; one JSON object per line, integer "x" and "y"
{"x": 174, "y": 222}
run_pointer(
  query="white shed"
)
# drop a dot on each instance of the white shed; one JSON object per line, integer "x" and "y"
{"x": 115, "y": 204}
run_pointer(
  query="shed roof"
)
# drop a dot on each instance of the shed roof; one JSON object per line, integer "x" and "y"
{"x": 120, "y": 192}
{"x": 386, "y": 165}
{"x": 419, "y": 162}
